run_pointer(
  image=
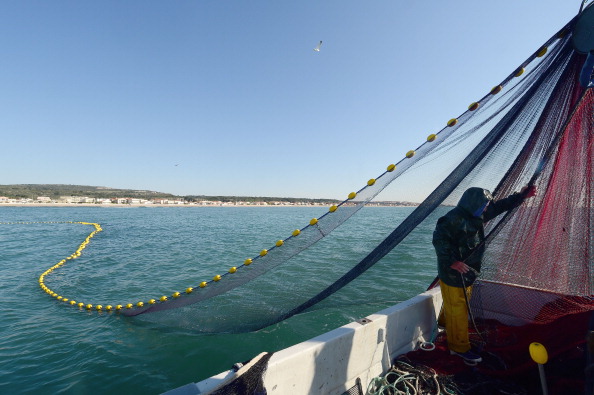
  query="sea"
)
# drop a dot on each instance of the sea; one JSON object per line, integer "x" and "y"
{"x": 49, "y": 347}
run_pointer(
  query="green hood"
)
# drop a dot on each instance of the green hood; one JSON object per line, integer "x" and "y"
{"x": 474, "y": 200}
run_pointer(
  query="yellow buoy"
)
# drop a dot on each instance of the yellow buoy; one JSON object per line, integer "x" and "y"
{"x": 248, "y": 262}
{"x": 81, "y": 305}
{"x": 296, "y": 232}
{"x": 233, "y": 270}
{"x": 371, "y": 182}
{"x": 129, "y": 305}
{"x": 89, "y": 306}
{"x": 452, "y": 122}
{"x": 139, "y": 304}
{"x": 99, "y": 307}
{"x": 279, "y": 243}
{"x": 496, "y": 89}
{"x": 538, "y": 353}
{"x": 119, "y": 307}
{"x": 152, "y": 301}
{"x": 313, "y": 221}
{"x": 108, "y": 307}
{"x": 189, "y": 290}
{"x": 203, "y": 284}
{"x": 391, "y": 167}
{"x": 519, "y": 72}
{"x": 176, "y": 295}
{"x": 333, "y": 208}
{"x": 410, "y": 153}
{"x": 473, "y": 106}
{"x": 163, "y": 298}
{"x": 217, "y": 277}
{"x": 431, "y": 137}
{"x": 352, "y": 195}
{"x": 263, "y": 252}
{"x": 542, "y": 52}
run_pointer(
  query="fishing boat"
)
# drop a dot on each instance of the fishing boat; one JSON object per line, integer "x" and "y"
{"x": 342, "y": 360}
{"x": 531, "y": 307}
{"x": 358, "y": 358}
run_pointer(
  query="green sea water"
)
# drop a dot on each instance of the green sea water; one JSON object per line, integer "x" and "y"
{"x": 48, "y": 347}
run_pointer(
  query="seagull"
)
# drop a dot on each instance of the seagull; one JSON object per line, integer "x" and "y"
{"x": 317, "y": 48}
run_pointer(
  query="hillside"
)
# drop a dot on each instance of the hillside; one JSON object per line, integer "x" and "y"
{"x": 54, "y": 191}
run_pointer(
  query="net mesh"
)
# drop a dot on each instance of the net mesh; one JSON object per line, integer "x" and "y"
{"x": 542, "y": 255}
{"x": 533, "y": 127}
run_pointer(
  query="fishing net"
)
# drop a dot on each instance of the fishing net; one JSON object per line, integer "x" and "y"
{"x": 535, "y": 126}
{"x": 538, "y": 266}
{"x": 536, "y": 280}
{"x": 248, "y": 378}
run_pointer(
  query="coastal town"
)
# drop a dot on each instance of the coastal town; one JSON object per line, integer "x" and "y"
{"x": 85, "y": 200}
{"x": 97, "y": 196}
{"x": 161, "y": 202}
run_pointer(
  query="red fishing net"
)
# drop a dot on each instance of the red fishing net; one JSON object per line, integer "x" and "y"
{"x": 538, "y": 264}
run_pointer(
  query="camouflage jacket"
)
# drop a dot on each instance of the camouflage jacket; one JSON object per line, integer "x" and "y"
{"x": 459, "y": 234}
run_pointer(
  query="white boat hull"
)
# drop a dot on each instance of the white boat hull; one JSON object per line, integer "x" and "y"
{"x": 333, "y": 362}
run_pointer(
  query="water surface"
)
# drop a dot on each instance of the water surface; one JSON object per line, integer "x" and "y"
{"x": 47, "y": 347}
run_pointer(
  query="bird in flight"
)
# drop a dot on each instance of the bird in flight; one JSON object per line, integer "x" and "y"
{"x": 317, "y": 48}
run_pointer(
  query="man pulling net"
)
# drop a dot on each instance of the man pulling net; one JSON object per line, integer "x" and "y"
{"x": 459, "y": 243}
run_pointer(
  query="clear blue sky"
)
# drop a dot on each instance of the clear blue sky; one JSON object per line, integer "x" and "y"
{"x": 222, "y": 97}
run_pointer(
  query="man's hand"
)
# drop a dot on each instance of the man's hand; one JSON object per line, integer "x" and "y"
{"x": 528, "y": 191}
{"x": 460, "y": 267}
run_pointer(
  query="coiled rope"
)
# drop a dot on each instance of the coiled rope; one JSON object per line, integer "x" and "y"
{"x": 406, "y": 379}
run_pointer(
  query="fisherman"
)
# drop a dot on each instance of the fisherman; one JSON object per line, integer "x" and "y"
{"x": 458, "y": 241}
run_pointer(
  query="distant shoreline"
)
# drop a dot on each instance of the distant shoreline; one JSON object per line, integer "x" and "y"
{"x": 115, "y": 205}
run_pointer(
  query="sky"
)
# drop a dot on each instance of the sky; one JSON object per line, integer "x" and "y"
{"x": 221, "y": 97}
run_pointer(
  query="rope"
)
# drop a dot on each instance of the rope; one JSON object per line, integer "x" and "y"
{"x": 406, "y": 379}
{"x": 76, "y": 254}
{"x": 470, "y": 310}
